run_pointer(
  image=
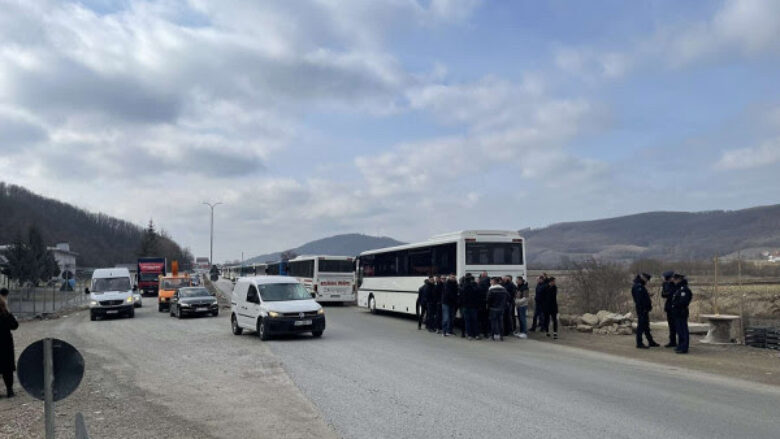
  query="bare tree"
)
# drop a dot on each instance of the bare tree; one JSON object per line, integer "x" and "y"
{"x": 598, "y": 285}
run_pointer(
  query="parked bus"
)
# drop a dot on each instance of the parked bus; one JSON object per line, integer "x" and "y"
{"x": 327, "y": 278}
{"x": 277, "y": 268}
{"x": 388, "y": 278}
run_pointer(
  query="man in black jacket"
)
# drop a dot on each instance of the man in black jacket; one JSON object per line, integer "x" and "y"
{"x": 541, "y": 285}
{"x": 667, "y": 290}
{"x": 449, "y": 305}
{"x": 681, "y": 298}
{"x": 471, "y": 300}
{"x": 511, "y": 289}
{"x": 422, "y": 302}
{"x": 482, "y": 313}
{"x": 496, "y": 304}
{"x": 643, "y": 307}
{"x": 434, "y": 305}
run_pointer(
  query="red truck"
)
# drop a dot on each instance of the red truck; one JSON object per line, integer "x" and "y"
{"x": 149, "y": 272}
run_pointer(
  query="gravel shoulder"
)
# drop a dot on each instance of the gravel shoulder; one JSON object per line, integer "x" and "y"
{"x": 157, "y": 376}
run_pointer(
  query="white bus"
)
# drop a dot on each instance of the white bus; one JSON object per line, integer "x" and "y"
{"x": 327, "y": 278}
{"x": 388, "y": 278}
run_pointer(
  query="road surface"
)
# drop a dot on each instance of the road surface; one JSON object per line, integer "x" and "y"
{"x": 378, "y": 376}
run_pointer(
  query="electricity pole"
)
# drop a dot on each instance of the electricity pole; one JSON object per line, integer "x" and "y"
{"x": 211, "y": 234}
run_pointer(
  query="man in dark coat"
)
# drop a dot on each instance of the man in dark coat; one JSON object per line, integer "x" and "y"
{"x": 681, "y": 298}
{"x": 449, "y": 305}
{"x": 7, "y": 356}
{"x": 550, "y": 307}
{"x": 667, "y": 290}
{"x": 482, "y": 314}
{"x": 496, "y": 304}
{"x": 541, "y": 285}
{"x": 511, "y": 289}
{"x": 434, "y": 305}
{"x": 422, "y": 302}
{"x": 643, "y": 307}
{"x": 471, "y": 301}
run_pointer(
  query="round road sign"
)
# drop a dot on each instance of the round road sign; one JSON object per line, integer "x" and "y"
{"x": 68, "y": 369}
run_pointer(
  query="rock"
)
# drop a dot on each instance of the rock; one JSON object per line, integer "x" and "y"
{"x": 589, "y": 319}
{"x": 567, "y": 320}
{"x": 607, "y": 318}
{"x": 584, "y": 328}
{"x": 602, "y": 316}
{"x": 624, "y": 330}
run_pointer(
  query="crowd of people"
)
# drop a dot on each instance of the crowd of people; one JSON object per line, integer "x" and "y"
{"x": 677, "y": 297}
{"x": 491, "y": 308}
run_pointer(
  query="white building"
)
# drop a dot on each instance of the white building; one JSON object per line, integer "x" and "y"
{"x": 66, "y": 259}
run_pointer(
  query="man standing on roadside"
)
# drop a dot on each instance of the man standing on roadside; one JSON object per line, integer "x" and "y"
{"x": 541, "y": 285}
{"x": 482, "y": 314}
{"x": 680, "y": 301}
{"x": 7, "y": 356}
{"x": 496, "y": 303}
{"x": 472, "y": 301}
{"x": 449, "y": 305}
{"x": 667, "y": 290}
{"x": 643, "y": 307}
{"x": 521, "y": 305}
{"x": 434, "y": 305}
{"x": 511, "y": 290}
{"x": 550, "y": 307}
{"x": 422, "y": 303}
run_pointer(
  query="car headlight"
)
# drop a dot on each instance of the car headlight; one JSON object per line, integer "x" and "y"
{"x": 274, "y": 314}
{"x": 321, "y": 311}
{"x": 184, "y": 305}
{"x": 130, "y": 299}
{"x": 93, "y": 303}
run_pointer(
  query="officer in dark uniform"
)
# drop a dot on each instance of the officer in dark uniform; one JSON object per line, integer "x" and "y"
{"x": 422, "y": 302}
{"x": 681, "y": 298}
{"x": 538, "y": 319}
{"x": 643, "y": 307}
{"x": 667, "y": 290}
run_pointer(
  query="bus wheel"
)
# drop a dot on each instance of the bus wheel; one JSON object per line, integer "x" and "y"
{"x": 372, "y": 304}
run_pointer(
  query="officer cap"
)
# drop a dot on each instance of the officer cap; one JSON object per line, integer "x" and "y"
{"x": 668, "y": 274}
{"x": 678, "y": 276}
{"x": 646, "y": 276}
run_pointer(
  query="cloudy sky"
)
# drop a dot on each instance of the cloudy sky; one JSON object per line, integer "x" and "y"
{"x": 403, "y": 118}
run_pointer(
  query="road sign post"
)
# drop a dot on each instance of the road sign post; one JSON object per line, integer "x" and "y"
{"x": 48, "y": 388}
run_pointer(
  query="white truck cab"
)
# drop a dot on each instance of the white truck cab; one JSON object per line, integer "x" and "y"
{"x": 111, "y": 293}
{"x": 272, "y": 305}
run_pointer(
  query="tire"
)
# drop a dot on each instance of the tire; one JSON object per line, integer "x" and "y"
{"x": 170, "y": 313}
{"x": 131, "y": 314}
{"x": 215, "y": 313}
{"x": 92, "y": 316}
{"x": 262, "y": 330}
{"x": 316, "y": 334}
{"x": 160, "y": 307}
{"x": 178, "y": 312}
{"x": 372, "y": 304}
{"x": 237, "y": 330}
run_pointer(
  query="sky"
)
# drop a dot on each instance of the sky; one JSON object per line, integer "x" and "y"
{"x": 401, "y": 118}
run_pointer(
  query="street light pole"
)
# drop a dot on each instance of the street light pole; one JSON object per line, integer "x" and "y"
{"x": 211, "y": 234}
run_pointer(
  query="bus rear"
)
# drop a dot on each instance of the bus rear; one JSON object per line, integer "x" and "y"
{"x": 335, "y": 279}
{"x": 497, "y": 253}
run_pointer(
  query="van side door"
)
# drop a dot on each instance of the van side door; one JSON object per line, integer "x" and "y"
{"x": 252, "y": 305}
{"x": 238, "y": 301}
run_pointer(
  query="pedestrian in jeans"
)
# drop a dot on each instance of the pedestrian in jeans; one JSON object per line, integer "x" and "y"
{"x": 496, "y": 303}
{"x": 449, "y": 305}
{"x": 521, "y": 304}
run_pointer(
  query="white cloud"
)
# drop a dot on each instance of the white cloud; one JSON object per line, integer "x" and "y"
{"x": 766, "y": 154}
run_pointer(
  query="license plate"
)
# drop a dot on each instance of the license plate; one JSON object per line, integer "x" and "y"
{"x": 113, "y": 311}
{"x": 302, "y": 322}
{"x": 202, "y": 308}
{"x": 335, "y": 295}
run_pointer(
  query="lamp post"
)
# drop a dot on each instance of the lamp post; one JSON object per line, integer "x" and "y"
{"x": 211, "y": 234}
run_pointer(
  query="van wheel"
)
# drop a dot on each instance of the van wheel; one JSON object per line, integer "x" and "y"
{"x": 317, "y": 334}
{"x": 160, "y": 307}
{"x": 92, "y": 316}
{"x": 237, "y": 330}
{"x": 262, "y": 331}
{"x": 372, "y": 304}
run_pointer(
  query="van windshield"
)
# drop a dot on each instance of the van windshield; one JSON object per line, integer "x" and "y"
{"x": 110, "y": 284}
{"x": 280, "y": 292}
{"x": 175, "y": 283}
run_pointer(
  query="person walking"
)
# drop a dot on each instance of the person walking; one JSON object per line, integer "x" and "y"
{"x": 509, "y": 310}
{"x": 643, "y": 306}
{"x": 422, "y": 303}
{"x": 550, "y": 307}
{"x": 449, "y": 305}
{"x": 482, "y": 314}
{"x": 538, "y": 318}
{"x": 8, "y": 323}
{"x": 681, "y": 299}
{"x": 496, "y": 303}
{"x": 667, "y": 291}
{"x": 472, "y": 301}
{"x": 521, "y": 306}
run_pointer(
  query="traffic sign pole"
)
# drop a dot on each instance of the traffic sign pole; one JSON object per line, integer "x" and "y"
{"x": 48, "y": 387}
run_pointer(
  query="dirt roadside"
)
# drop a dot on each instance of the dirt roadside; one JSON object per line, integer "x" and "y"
{"x": 155, "y": 376}
{"x": 735, "y": 361}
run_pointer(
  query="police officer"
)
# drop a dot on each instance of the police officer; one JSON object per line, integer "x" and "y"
{"x": 643, "y": 307}
{"x": 681, "y": 298}
{"x": 550, "y": 307}
{"x": 667, "y": 290}
{"x": 422, "y": 303}
{"x": 541, "y": 284}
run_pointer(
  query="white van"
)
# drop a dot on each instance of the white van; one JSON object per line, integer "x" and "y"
{"x": 272, "y": 305}
{"x": 111, "y": 293}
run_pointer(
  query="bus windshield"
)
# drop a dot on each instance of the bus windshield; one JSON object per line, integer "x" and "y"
{"x": 494, "y": 253}
{"x": 336, "y": 266}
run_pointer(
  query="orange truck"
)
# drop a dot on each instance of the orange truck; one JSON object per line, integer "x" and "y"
{"x": 168, "y": 286}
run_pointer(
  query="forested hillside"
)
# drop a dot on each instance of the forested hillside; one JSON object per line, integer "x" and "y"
{"x": 340, "y": 245}
{"x": 100, "y": 240}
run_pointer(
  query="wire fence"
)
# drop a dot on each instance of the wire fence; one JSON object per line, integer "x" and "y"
{"x": 30, "y": 301}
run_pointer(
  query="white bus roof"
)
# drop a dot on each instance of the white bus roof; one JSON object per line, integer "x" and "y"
{"x": 481, "y": 235}
{"x": 263, "y": 280}
{"x": 308, "y": 257}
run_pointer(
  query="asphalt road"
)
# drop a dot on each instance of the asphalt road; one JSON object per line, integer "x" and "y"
{"x": 378, "y": 376}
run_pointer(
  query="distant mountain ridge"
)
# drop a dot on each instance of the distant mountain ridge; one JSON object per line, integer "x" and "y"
{"x": 350, "y": 244}
{"x": 661, "y": 235}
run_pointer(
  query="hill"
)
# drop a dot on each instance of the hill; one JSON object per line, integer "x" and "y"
{"x": 661, "y": 235}
{"x": 340, "y": 245}
{"x": 100, "y": 240}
